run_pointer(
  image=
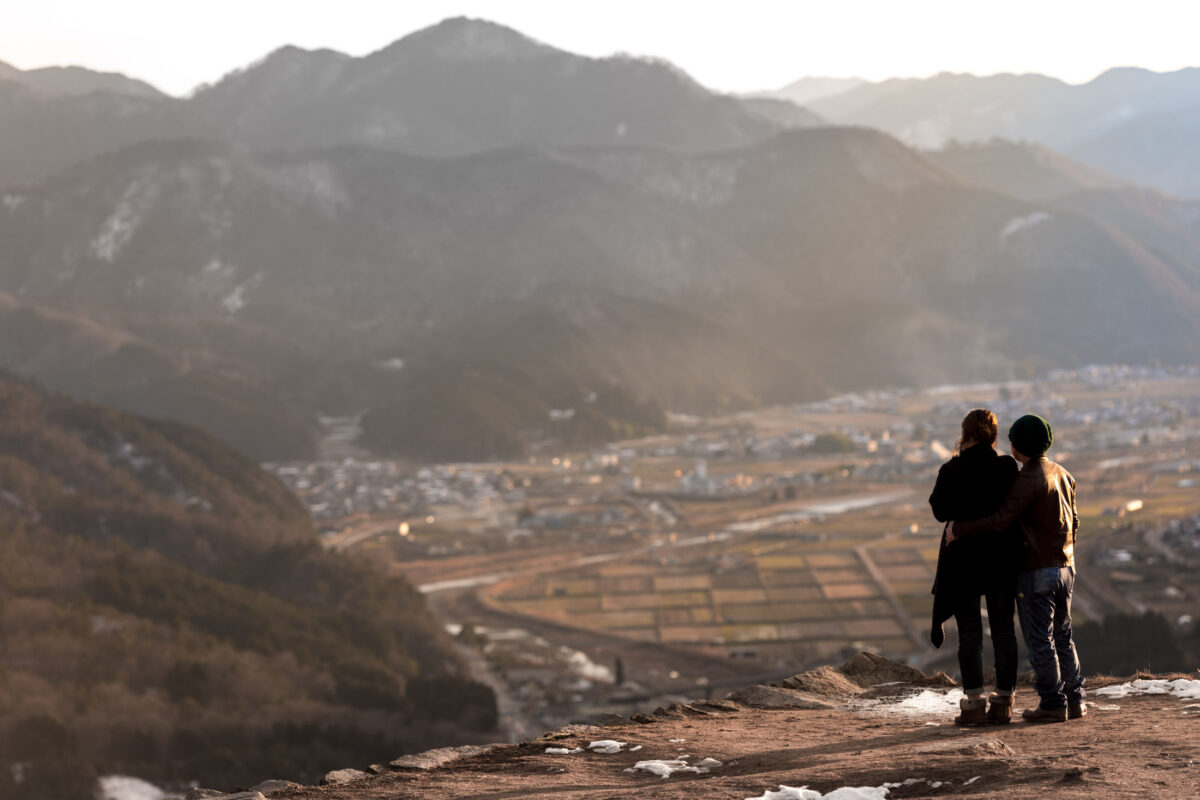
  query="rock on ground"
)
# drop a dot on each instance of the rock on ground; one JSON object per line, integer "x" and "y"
{"x": 271, "y": 787}
{"x": 827, "y": 681}
{"x": 777, "y": 697}
{"x": 432, "y": 759}
{"x": 340, "y": 776}
{"x": 869, "y": 669}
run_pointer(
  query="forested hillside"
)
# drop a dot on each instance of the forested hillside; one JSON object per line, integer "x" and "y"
{"x": 167, "y": 611}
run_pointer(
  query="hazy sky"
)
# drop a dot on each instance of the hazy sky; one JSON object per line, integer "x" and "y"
{"x": 732, "y": 46}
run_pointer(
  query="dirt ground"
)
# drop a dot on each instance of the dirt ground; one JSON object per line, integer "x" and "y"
{"x": 1136, "y": 747}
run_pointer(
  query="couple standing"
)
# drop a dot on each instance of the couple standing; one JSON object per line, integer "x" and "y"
{"x": 1009, "y": 538}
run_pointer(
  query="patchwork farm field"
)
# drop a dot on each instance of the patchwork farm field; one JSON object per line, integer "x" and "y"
{"x": 802, "y": 596}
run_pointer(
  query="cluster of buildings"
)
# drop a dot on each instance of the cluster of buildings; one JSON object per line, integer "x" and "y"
{"x": 338, "y": 489}
{"x": 1183, "y": 535}
{"x": 1110, "y": 375}
{"x": 716, "y": 463}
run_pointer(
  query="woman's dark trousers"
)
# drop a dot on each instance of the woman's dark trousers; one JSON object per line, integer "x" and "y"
{"x": 1001, "y": 606}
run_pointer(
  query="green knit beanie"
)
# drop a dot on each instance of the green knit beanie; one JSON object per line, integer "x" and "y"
{"x": 1031, "y": 435}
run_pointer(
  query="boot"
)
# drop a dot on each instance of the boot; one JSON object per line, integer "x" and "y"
{"x": 973, "y": 712}
{"x": 1076, "y": 710}
{"x": 1040, "y": 714}
{"x": 1000, "y": 709}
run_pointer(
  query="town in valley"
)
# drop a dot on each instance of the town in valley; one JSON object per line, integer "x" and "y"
{"x": 752, "y": 545}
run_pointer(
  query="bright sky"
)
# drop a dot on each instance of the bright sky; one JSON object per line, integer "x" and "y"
{"x": 740, "y": 46}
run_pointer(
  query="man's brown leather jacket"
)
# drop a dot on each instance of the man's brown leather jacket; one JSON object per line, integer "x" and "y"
{"x": 1042, "y": 502}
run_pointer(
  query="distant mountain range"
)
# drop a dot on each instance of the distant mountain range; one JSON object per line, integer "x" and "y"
{"x": 469, "y": 230}
{"x": 806, "y": 90}
{"x": 459, "y": 87}
{"x": 76, "y": 81}
{"x": 1139, "y": 125}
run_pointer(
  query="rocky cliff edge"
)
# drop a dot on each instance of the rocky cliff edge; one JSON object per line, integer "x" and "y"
{"x": 869, "y": 730}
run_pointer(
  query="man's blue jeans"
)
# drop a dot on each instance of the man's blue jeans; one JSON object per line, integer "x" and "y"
{"x": 1044, "y": 607}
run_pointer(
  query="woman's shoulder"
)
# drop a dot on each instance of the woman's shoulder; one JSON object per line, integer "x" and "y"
{"x": 951, "y": 467}
{"x": 1008, "y": 464}
{"x": 984, "y": 463}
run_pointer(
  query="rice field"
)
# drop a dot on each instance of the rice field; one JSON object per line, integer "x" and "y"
{"x": 757, "y": 592}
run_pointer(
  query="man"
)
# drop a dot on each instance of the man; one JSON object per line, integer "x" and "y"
{"x": 1042, "y": 502}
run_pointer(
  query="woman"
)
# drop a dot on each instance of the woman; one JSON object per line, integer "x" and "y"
{"x": 971, "y": 485}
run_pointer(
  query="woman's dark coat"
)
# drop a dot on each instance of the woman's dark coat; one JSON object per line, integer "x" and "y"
{"x": 969, "y": 486}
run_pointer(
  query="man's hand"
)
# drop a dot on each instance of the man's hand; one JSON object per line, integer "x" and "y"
{"x": 950, "y": 533}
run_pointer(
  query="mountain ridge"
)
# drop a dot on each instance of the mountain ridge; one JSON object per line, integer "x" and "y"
{"x": 457, "y": 87}
{"x": 76, "y": 80}
{"x": 167, "y": 610}
{"x": 336, "y": 216}
{"x": 1109, "y": 122}
{"x": 785, "y": 242}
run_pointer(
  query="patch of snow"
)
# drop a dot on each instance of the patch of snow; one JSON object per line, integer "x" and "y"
{"x": 584, "y": 667}
{"x": 118, "y": 228}
{"x": 123, "y": 787}
{"x": 606, "y": 746}
{"x": 850, "y": 792}
{"x": 926, "y": 702}
{"x": 12, "y": 500}
{"x": 906, "y": 782}
{"x": 116, "y": 231}
{"x": 635, "y": 748}
{"x": 844, "y": 793}
{"x": 968, "y": 783}
{"x": 676, "y": 741}
{"x": 235, "y": 301}
{"x": 561, "y": 414}
{"x": 563, "y": 751}
{"x": 1018, "y": 224}
{"x": 1182, "y": 688}
{"x": 216, "y": 267}
{"x": 665, "y": 768}
{"x": 126, "y": 454}
{"x": 1105, "y": 708}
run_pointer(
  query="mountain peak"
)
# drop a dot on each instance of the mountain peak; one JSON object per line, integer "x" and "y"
{"x": 290, "y": 54}
{"x": 60, "y": 81}
{"x": 469, "y": 39}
